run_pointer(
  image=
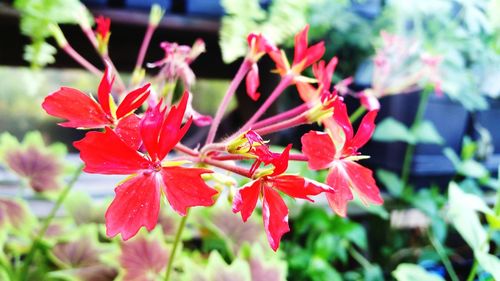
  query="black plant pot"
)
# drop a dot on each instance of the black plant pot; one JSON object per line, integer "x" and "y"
{"x": 429, "y": 164}
{"x": 490, "y": 120}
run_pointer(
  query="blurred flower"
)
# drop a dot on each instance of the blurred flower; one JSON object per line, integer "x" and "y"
{"x": 274, "y": 209}
{"x": 137, "y": 200}
{"x": 175, "y": 64}
{"x": 103, "y": 25}
{"x": 258, "y": 47}
{"x": 338, "y": 151}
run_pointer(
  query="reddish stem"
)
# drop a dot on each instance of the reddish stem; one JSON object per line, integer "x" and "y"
{"x": 296, "y": 121}
{"x": 284, "y": 83}
{"x": 297, "y": 157}
{"x": 282, "y": 116}
{"x": 231, "y": 157}
{"x": 242, "y": 71}
{"x": 82, "y": 61}
{"x": 93, "y": 40}
{"x": 144, "y": 46}
{"x": 186, "y": 150}
{"x": 223, "y": 165}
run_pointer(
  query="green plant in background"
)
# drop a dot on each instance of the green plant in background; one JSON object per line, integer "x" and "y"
{"x": 280, "y": 22}
{"x": 37, "y": 16}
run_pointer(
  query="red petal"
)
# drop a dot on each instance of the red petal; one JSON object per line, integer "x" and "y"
{"x": 281, "y": 162}
{"x": 279, "y": 60}
{"x": 246, "y": 198}
{"x": 362, "y": 182}
{"x": 106, "y": 153}
{"x": 171, "y": 132}
{"x": 136, "y": 204}
{"x": 365, "y": 131}
{"x": 128, "y": 130}
{"x": 185, "y": 188}
{"x": 319, "y": 149}
{"x": 252, "y": 82}
{"x": 80, "y": 110}
{"x": 338, "y": 179}
{"x": 314, "y": 54}
{"x": 150, "y": 128}
{"x": 104, "y": 90}
{"x": 132, "y": 101}
{"x": 342, "y": 118}
{"x": 300, "y": 45}
{"x": 306, "y": 91}
{"x": 275, "y": 216}
{"x": 298, "y": 187}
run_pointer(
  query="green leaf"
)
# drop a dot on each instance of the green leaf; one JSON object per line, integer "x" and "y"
{"x": 413, "y": 272}
{"x": 391, "y": 181}
{"x": 462, "y": 214}
{"x": 390, "y": 130}
{"x": 373, "y": 273}
{"x": 426, "y": 132}
{"x": 489, "y": 263}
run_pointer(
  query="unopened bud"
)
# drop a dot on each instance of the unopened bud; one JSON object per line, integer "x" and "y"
{"x": 155, "y": 15}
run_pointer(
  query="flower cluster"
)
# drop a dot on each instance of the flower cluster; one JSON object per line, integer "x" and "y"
{"x": 124, "y": 141}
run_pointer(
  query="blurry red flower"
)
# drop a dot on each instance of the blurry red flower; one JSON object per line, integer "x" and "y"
{"x": 274, "y": 209}
{"x": 259, "y": 46}
{"x": 339, "y": 152}
{"x": 103, "y": 25}
{"x": 137, "y": 200}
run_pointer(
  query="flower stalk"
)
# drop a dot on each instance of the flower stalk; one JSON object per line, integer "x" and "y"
{"x": 177, "y": 241}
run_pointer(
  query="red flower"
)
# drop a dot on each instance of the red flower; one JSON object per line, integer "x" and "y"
{"x": 274, "y": 209}
{"x": 323, "y": 74}
{"x": 137, "y": 200}
{"x": 83, "y": 111}
{"x": 340, "y": 155}
{"x": 304, "y": 55}
{"x": 259, "y": 46}
{"x": 103, "y": 24}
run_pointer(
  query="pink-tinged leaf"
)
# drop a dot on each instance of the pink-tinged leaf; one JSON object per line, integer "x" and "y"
{"x": 364, "y": 133}
{"x": 337, "y": 178}
{"x": 105, "y": 153}
{"x": 79, "y": 109}
{"x": 275, "y": 216}
{"x": 128, "y": 130}
{"x": 104, "y": 90}
{"x": 133, "y": 100}
{"x": 281, "y": 162}
{"x": 136, "y": 204}
{"x": 306, "y": 91}
{"x": 143, "y": 259}
{"x": 300, "y": 45}
{"x": 14, "y": 213}
{"x": 362, "y": 182}
{"x": 150, "y": 128}
{"x": 341, "y": 116}
{"x": 185, "y": 188}
{"x": 314, "y": 54}
{"x": 319, "y": 149}
{"x": 253, "y": 82}
{"x": 246, "y": 198}
{"x": 299, "y": 187}
{"x": 172, "y": 132}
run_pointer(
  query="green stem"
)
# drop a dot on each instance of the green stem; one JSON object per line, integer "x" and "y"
{"x": 473, "y": 271}
{"x": 359, "y": 258}
{"x": 23, "y": 274}
{"x": 176, "y": 244}
{"x": 355, "y": 116}
{"x": 410, "y": 148}
{"x": 443, "y": 256}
